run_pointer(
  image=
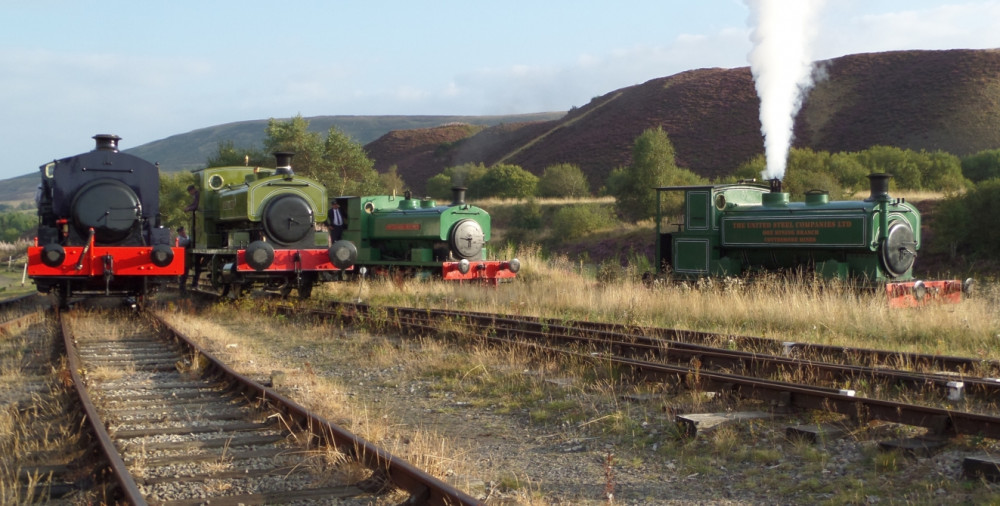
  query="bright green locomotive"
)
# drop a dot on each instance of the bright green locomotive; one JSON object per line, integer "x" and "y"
{"x": 730, "y": 229}
{"x": 421, "y": 238}
{"x": 257, "y": 226}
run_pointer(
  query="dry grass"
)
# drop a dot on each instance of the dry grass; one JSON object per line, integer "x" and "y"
{"x": 263, "y": 345}
{"x": 354, "y": 377}
{"x": 807, "y": 310}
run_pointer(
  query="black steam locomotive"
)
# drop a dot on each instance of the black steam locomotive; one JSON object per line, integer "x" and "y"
{"x": 98, "y": 226}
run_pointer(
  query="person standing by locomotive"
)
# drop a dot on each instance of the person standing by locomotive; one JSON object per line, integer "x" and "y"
{"x": 195, "y": 197}
{"x": 335, "y": 222}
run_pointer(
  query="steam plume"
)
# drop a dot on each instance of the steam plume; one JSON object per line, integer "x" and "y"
{"x": 782, "y": 70}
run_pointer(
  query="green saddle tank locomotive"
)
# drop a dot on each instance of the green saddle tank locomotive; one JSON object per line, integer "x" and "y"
{"x": 260, "y": 227}
{"x": 734, "y": 229}
{"x": 418, "y": 237}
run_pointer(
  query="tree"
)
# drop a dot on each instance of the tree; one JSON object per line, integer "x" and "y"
{"x": 337, "y": 161}
{"x": 563, "y": 180}
{"x": 174, "y": 197}
{"x": 228, "y": 155}
{"x": 653, "y": 165}
{"x": 892, "y": 160}
{"x": 391, "y": 181}
{"x": 466, "y": 175}
{"x": 982, "y": 165}
{"x": 508, "y": 181}
{"x": 941, "y": 171}
{"x": 853, "y": 176}
{"x": 294, "y": 136}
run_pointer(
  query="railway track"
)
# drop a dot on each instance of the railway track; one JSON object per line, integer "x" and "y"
{"x": 45, "y": 446}
{"x": 806, "y": 384}
{"x": 177, "y": 427}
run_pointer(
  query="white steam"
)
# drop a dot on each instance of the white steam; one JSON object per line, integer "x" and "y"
{"x": 782, "y": 70}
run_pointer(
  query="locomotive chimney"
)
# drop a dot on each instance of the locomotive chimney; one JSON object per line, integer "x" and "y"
{"x": 284, "y": 163}
{"x": 458, "y": 195}
{"x": 106, "y": 142}
{"x": 879, "y": 187}
{"x": 775, "y": 185}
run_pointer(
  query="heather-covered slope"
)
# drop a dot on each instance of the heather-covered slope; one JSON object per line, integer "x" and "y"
{"x": 948, "y": 100}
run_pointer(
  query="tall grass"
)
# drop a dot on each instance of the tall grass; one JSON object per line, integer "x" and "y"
{"x": 793, "y": 309}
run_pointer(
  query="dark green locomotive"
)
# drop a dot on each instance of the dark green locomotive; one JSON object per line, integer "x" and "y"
{"x": 731, "y": 229}
{"x": 422, "y": 238}
{"x": 259, "y": 226}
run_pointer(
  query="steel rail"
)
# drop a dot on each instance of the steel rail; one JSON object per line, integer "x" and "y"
{"x": 127, "y": 485}
{"x": 941, "y": 421}
{"x": 868, "y": 355}
{"x": 674, "y": 350}
{"x": 424, "y": 488}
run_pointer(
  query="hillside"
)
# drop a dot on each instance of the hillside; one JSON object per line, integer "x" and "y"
{"x": 190, "y": 150}
{"x": 948, "y": 100}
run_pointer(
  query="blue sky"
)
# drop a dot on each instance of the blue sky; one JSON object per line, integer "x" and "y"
{"x": 149, "y": 70}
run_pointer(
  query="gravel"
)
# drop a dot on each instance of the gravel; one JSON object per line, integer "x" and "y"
{"x": 615, "y": 450}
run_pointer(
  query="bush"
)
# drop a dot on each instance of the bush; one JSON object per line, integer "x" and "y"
{"x": 508, "y": 181}
{"x": 982, "y": 165}
{"x": 564, "y": 180}
{"x": 527, "y": 216}
{"x": 574, "y": 222}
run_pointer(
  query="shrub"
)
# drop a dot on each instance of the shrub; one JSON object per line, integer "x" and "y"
{"x": 573, "y": 222}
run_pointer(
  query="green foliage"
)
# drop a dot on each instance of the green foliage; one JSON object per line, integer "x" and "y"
{"x": 563, "y": 180}
{"x": 337, "y": 161}
{"x": 575, "y": 221}
{"x": 345, "y": 169}
{"x": 938, "y": 171}
{"x": 807, "y": 170}
{"x": 849, "y": 172}
{"x": 229, "y": 155}
{"x": 958, "y": 224}
{"x": 892, "y": 160}
{"x": 952, "y": 225}
{"x": 653, "y": 165}
{"x": 392, "y": 182}
{"x": 527, "y": 216}
{"x": 467, "y": 175}
{"x": 982, "y": 165}
{"x": 174, "y": 197}
{"x": 438, "y": 186}
{"x": 16, "y": 225}
{"x": 294, "y": 136}
{"x": 982, "y": 204}
{"x": 843, "y": 174}
{"x": 507, "y": 181}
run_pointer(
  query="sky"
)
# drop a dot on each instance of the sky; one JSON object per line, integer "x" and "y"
{"x": 149, "y": 70}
